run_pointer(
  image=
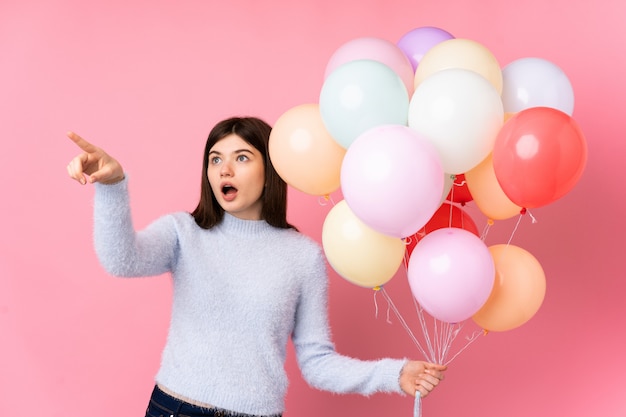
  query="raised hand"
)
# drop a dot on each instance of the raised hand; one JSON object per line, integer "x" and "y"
{"x": 93, "y": 164}
{"x": 420, "y": 377}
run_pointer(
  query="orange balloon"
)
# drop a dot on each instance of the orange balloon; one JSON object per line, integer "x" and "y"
{"x": 518, "y": 290}
{"x": 303, "y": 152}
{"x": 358, "y": 253}
{"x": 487, "y": 193}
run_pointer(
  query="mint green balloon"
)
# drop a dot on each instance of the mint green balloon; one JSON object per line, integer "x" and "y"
{"x": 360, "y": 95}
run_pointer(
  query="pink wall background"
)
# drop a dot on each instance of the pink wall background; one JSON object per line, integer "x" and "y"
{"x": 147, "y": 79}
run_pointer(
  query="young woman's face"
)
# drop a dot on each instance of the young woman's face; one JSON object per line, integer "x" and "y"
{"x": 236, "y": 172}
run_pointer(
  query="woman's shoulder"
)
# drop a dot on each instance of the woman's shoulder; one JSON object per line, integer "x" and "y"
{"x": 301, "y": 238}
{"x": 302, "y": 244}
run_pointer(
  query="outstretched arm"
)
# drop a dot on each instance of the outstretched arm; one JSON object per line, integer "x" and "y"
{"x": 93, "y": 164}
{"x": 121, "y": 250}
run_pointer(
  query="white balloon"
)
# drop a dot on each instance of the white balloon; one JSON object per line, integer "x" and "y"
{"x": 536, "y": 82}
{"x": 461, "y": 113}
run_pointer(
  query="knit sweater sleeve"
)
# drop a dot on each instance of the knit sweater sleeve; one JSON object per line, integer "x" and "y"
{"x": 121, "y": 250}
{"x": 321, "y": 366}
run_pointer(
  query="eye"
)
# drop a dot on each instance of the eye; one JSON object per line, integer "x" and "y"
{"x": 215, "y": 160}
{"x": 242, "y": 158}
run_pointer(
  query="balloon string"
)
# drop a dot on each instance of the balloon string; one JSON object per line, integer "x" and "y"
{"x": 447, "y": 336}
{"x": 425, "y": 332}
{"x": 443, "y": 337}
{"x": 471, "y": 339}
{"x": 422, "y": 320}
{"x": 438, "y": 345}
{"x": 485, "y": 232}
{"x": 417, "y": 407}
{"x": 323, "y": 200}
{"x": 405, "y": 258}
{"x": 375, "y": 303}
{"x": 519, "y": 219}
{"x": 376, "y": 290}
{"x": 403, "y": 322}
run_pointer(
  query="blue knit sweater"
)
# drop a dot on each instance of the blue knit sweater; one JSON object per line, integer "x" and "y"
{"x": 240, "y": 290}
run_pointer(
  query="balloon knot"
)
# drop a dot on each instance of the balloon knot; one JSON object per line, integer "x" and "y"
{"x": 490, "y": 222}
{"x": 523, "y": 211}
{"x": 377, "y": 288}
{"x": 485, "y": 332}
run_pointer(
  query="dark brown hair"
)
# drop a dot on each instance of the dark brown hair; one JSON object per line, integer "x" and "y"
{"x": 256, "y": 132}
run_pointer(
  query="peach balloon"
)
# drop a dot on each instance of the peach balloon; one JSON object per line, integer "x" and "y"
{"x": 518, "y": 290}
{"x": 487, "y": 193}
{"x": 460, "y": 53}
{"x": 303, "y": 152}
{"x": 358, "y": 253}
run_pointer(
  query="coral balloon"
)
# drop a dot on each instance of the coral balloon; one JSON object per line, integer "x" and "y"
{"x": 448, "y": 215}
{"x": 303, "y": 152}
{"x": 462, "y": 54}
{"x": 487, "y": 193}
{"x": 536, "y": 82}
{"x": 360, "y": 95}
{"x": 460, "y": 113}
{"x": 539, "y": 155}
{"x": 376, "y": 49}
{"x": 357, "y": 253}
{"x": 518, "y": 290}
{"x": 451, "y": 274}
{"x": 418, "y": 41}
{"x": 392, "y": 179}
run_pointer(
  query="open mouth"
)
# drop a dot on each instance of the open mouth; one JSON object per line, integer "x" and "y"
{"x": 229, "y": 190}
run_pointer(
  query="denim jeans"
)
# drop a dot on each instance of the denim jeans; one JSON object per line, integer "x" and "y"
{"x": 164, "y": 405}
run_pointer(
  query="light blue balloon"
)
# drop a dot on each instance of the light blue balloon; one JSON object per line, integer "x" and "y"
{"x": 360, "y": 95}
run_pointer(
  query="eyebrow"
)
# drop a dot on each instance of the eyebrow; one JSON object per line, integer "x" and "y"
{"x": 238, "y": 151}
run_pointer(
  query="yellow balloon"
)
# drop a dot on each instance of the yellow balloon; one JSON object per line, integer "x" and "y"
{"x": 487, "y": 193}
{"x": 518, "y": 291}
{"x": 303, "y": 152}
{"x": 460, "y": 53}
{"x": 358, "y": 253}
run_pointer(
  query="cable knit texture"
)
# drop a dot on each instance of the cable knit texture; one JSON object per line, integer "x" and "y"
{"x": 240, "y": 290}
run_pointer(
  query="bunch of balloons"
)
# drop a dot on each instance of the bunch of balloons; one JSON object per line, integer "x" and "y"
{"x": 395, "y": 126}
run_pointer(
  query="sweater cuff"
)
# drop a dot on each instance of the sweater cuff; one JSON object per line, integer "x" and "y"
{"x": 403, "y": 362}
{"x": 112, "y": 189}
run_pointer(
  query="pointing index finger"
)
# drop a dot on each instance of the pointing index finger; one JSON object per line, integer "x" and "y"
{"x": 82, "y": 143}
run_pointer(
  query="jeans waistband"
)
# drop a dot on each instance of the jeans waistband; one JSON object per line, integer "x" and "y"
{"x": 179, "y": 408}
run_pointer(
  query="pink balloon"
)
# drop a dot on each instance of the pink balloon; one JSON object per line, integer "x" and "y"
{"x": 392, "y": 179}
{"x": 451, "y": 274}
{"x": 374, "y": 49}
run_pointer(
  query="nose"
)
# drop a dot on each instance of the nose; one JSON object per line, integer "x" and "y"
{"x": 226, "y": 170}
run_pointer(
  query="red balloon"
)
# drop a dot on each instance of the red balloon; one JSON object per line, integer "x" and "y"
{"x": 459, "y": 193}
{"x": 447, "y": 215}
{"x": 538, "y": 156}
